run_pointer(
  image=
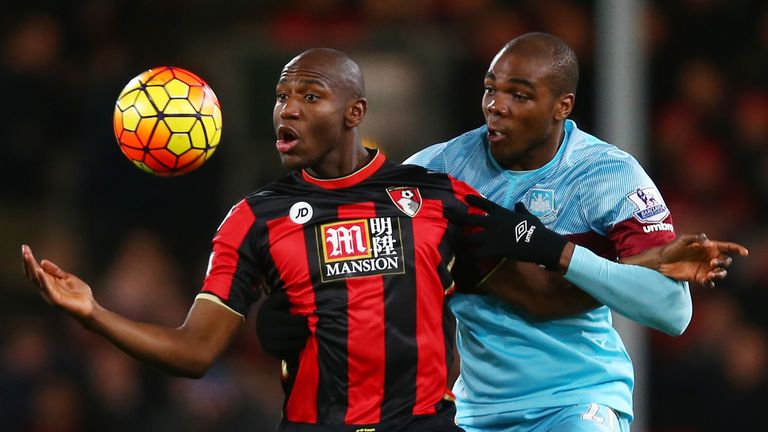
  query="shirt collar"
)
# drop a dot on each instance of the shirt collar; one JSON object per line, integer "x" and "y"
{"x": 350, "y": 179}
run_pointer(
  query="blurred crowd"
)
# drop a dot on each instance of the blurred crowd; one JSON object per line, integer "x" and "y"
{"x": 142, "y": 241}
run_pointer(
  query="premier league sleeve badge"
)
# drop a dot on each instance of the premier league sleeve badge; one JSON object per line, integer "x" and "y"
{"x": 650, "y": 206}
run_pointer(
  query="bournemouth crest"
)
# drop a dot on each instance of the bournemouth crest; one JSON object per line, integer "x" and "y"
{"x": 407, "y": 199}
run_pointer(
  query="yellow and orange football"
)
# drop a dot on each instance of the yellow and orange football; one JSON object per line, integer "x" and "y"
{"x": 167, "y": 121}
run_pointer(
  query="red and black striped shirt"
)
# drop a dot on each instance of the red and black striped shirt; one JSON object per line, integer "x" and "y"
{"x": 366, "y": 259}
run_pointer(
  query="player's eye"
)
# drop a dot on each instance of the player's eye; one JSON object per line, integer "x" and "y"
{"x": 282, "y": 97}
{"x": 310, "y": 97}
{"x": 520, "y": 96}
{"x": 489, "y": 90}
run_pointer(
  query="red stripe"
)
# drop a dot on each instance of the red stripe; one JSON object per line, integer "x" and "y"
{"x": 600, "y": 245}
{"x": 288, "y": 250}
{"x": 302, "y": 403}
{"x": 365, "y": 337}
{"x": 432, "y": 370}
{"x": 352, "y": 179}
{"x": 627, "y": 238}
{"x": 224, "y": 258}
{"x": 461, "y": 190}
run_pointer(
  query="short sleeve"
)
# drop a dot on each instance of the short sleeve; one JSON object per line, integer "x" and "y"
{"x": 620, "y": 201}
{"x": 233, "y": 276}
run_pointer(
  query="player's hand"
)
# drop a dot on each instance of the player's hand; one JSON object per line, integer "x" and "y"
{"x": 514, "y": 234}
{"x": 695, "y": 258}
{"x": 59, "y": 288}
{"x": 281, "y": 334}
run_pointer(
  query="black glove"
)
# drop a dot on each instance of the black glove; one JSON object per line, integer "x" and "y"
{"x": 281, "y": 334}
{"x": 515, "y": 234}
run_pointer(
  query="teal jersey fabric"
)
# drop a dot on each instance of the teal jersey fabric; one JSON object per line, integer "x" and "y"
{"x": 601, "y": 198}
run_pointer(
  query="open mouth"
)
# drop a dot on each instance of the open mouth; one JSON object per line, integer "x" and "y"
{"x": 287, "y": 138}
{"x": 286, "y": 135}
{"x": 495, "y": 135}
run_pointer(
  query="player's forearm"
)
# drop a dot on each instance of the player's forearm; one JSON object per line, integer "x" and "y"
{"x": 541, "y": 294}
{"x": 640, "y": 294}
{"x": 649, "y": 258}
{"x": 559, "y": 299}
{"x": 164, "y": 347}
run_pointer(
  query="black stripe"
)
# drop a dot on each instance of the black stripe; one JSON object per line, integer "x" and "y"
{"x": 400, "y": 329}
{"x": 331, "y": 302}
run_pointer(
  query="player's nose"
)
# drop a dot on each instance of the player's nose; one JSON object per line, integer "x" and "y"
{"x": 494, "y": 107}
{"x": 289, "y": 110}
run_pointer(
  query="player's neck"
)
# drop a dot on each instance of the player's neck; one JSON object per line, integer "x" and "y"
{"x": 342, "y": 163}
{"x": 537, "y": 155}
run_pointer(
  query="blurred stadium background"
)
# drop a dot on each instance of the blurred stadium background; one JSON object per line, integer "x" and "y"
{"x": 682, "y": 84}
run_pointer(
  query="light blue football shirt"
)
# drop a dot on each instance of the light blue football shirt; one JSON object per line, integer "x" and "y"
{"x": 510, "y": 364}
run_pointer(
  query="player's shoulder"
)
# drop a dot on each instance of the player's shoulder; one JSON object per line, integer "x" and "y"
{"x": 592, "y": 155}
{"x": 274, "y": 187}
{"x": 438, "y": 155}
{"x": 413, "y": 173}
{"x": 275, "y": 193}
{"x": 432, "y": 183}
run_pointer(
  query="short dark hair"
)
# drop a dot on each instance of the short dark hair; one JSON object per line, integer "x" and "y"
{"x": 562, "y": 60}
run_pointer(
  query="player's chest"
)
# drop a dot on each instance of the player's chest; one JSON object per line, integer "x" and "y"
{"x": 354, "y": 236}
{"x": 557, "y": 204}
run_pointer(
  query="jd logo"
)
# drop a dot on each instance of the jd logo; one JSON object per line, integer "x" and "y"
{"x": 300, "y": 213}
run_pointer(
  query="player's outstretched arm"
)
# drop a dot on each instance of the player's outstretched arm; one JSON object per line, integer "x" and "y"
{"x": 646, "y": 296}
{"x": 188, "y": 350}
{"x": 691, "y": 257}
{"x": 546, "y": 295}
{"x": 641, "y": 294}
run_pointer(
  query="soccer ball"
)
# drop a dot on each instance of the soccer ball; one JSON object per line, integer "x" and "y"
{"x": 167, "y": 121}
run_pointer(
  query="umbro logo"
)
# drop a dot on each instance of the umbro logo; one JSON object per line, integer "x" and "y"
{"x": 522, "y": 229}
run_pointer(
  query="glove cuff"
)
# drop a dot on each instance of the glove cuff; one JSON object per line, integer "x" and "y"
{"x": 551, "y": 249}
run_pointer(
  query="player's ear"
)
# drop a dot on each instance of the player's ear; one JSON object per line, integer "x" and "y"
{"x": 356, "y": 110}
{"x": 564, "y": 106}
